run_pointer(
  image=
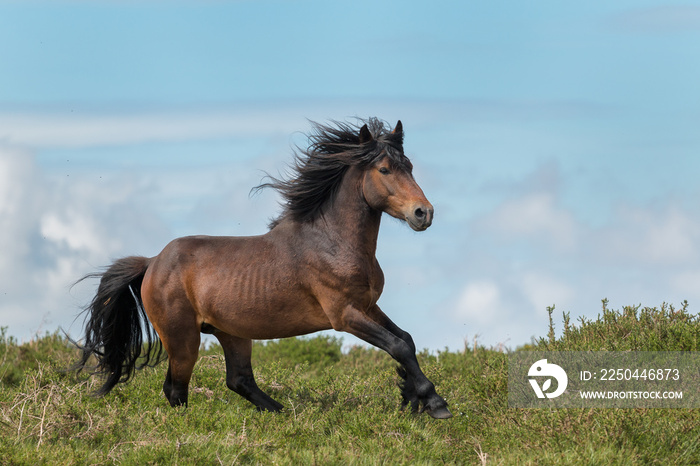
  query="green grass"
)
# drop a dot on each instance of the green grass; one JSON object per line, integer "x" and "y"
{"x": 341, "y": 408}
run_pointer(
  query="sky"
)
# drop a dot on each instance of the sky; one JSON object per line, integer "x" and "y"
{"x": 559, "y": 143}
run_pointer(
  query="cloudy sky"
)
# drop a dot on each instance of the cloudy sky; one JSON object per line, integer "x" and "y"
{"x": 558, "y": 141}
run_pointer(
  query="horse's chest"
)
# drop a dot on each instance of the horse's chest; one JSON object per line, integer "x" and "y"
{"x": 376, "y": 283}
{"x": 365, "y": 280}
{"x": 358, "y": 276}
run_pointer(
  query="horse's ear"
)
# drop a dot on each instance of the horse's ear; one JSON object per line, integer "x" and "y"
{"x": 398, "y": 129}
{"x": 365, "y": 135}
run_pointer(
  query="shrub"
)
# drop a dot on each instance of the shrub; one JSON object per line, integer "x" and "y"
{"x": 634, "y": 328}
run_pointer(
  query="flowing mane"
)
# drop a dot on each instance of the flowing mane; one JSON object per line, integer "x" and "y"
{"x": 316, "y": 172}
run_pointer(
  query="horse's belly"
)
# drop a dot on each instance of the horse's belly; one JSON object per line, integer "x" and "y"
{"x": 272, "y": 310}
{"x": 265, "y": 324}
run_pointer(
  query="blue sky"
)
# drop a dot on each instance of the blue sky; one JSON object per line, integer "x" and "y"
{"x": 558, "y": 142}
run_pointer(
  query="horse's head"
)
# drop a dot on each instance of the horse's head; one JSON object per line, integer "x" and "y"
{"x": 388, "y": 184}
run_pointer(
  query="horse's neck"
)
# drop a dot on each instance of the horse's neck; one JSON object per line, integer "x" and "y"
{"x": 349, "y": 219}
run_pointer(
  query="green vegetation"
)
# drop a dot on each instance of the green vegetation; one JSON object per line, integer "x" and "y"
{"x": 341, "y": 407}
{"x": 632, "y": 329}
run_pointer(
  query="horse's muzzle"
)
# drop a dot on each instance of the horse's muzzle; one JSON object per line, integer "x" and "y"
{"x": 421, "y": 217}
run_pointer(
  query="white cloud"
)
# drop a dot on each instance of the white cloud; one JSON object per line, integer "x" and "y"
{"x": 662, "y": 235}
{"x": 480, "y": 301}
{"x": 86, "y": 129}
{"x": 535, "y": 216}
{"x": 91, "y": 127}
{"x": 75, "y": 231}
{"x": 54, "y": 232}
{"x": 77, "y": 128}
{"x": 13, "y": 163}
{"x": 17, "y": 207}
{"x": 544, "y": 290}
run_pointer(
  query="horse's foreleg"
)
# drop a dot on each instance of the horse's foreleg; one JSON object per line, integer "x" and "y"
{"x": 378, "y": 316}
{"x": 376, "y": 328}
{"x": 408, "y": 389}
{"x": 239, "y": 372}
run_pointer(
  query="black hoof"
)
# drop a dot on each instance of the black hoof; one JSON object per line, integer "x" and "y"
{"x": 433, "y": 404}
{"x": 269, "y": 405}
{"x": 440, "y": 413}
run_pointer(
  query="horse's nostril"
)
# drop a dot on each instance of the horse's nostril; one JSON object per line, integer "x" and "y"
{"x": 419, "y": 213}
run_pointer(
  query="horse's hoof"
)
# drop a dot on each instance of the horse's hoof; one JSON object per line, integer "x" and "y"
{"x": 440, "y": 413}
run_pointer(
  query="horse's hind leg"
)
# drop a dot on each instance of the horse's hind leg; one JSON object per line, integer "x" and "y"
{"x": 182, "y": 350}
{"x": 239, "y": 372}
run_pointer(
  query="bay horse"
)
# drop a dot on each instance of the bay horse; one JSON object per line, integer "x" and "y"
{"x": 315, "y": 269}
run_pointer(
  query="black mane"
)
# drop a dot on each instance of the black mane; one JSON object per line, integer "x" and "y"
{"x": 317, "y": 171}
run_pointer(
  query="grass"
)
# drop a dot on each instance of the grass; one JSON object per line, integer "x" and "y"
{"x": 341, "y": 408}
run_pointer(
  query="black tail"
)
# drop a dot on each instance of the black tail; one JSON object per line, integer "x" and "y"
{"x": 116, "y": 325}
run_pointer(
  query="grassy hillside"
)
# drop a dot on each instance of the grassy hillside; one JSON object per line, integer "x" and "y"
{"x": 341, "y": 407}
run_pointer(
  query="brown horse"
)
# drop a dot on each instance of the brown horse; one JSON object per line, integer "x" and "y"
{"x": 314, "y": 270}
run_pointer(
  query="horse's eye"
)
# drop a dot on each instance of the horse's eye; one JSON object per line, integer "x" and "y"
{"x": 384, "y": 171}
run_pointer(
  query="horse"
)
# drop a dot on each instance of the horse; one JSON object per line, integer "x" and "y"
{"x": 315, "y": 269}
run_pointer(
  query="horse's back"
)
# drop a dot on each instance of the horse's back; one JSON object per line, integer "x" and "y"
{"x": 196, "y": 264}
